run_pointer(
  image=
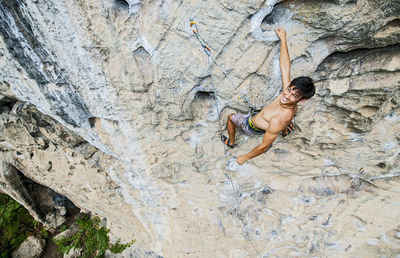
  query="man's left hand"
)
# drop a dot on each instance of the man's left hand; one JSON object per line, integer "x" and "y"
{"x": 242, "y": 159}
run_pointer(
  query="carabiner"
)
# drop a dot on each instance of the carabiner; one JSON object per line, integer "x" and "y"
{"x": 196, "y": 30}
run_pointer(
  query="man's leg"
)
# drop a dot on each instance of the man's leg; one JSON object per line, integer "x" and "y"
{"x": 231, "y": 129}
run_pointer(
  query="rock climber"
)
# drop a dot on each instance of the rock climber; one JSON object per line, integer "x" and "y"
{"x": 276, "y": 117}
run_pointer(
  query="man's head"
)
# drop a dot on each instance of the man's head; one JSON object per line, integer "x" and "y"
{"x": 304, "y": 85}
{"x": 300, "y": 88}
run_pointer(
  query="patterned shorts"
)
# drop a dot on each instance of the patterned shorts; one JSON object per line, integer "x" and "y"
{"x": 242, "y": 121}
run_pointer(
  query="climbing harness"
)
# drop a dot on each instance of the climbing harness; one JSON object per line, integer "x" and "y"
{"x": 211, "y": 59}
{"x": 252, "y": 125}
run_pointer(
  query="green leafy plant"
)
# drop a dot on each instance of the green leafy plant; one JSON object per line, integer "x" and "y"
{"x": 15, "y": 225}
{"x": 91, "y": 238}
{"x": 63, "y": 228}
{"x": 117, "y": 247}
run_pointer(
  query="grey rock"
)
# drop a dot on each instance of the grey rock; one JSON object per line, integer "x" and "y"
{"x": 31, "y": 248}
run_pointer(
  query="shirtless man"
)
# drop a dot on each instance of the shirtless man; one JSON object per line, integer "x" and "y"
{"x": 277, "y": 116}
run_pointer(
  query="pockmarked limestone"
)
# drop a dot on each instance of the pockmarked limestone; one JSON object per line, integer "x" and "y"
{"x": 111, "y": 104}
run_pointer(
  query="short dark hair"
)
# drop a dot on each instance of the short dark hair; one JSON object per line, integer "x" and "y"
{"x": 304, "y": 85}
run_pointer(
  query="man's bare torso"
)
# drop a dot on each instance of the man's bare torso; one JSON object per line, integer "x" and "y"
{"x": 261, "y": 120}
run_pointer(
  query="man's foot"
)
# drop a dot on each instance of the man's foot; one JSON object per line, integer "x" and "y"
{"x": 227, "y": 142}
{"x": 288, "y": 130}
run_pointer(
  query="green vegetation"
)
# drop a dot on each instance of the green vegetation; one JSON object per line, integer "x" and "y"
{"x": 91, "y": 238}
{"x": 15, "y": 225}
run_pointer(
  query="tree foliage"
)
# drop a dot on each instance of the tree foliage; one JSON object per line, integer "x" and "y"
{"x": 15, "y": 225}
{"x": 92, "y": 239}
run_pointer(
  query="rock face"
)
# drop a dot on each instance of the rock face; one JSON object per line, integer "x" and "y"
{"x": 111, "y": 104}
{"x": 31, "y": 248}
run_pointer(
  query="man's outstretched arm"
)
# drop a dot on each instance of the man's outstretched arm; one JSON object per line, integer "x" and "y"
{"x": 284, "y": 59}
{"x": 274, "y": 128}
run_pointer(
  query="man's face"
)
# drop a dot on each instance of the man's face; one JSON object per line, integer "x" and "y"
{"x": 290, "y": 96}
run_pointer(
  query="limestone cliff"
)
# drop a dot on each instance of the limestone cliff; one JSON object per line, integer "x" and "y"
{"x": 110, "y": 103}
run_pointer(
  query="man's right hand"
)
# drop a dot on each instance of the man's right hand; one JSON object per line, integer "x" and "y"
{"x": 241, "y": 160}
{"x": 281, "y": 33}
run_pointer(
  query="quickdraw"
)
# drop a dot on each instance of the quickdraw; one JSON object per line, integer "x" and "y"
{"x": 202, "y": 41}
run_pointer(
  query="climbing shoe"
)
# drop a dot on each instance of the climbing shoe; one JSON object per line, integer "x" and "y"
{"x": 227, "y": 141}
{"x": 288, "y": 130}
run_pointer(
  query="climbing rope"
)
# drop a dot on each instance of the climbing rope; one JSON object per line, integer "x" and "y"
{"x": 207, "y": 50}
{"x": 211, "y": 59}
